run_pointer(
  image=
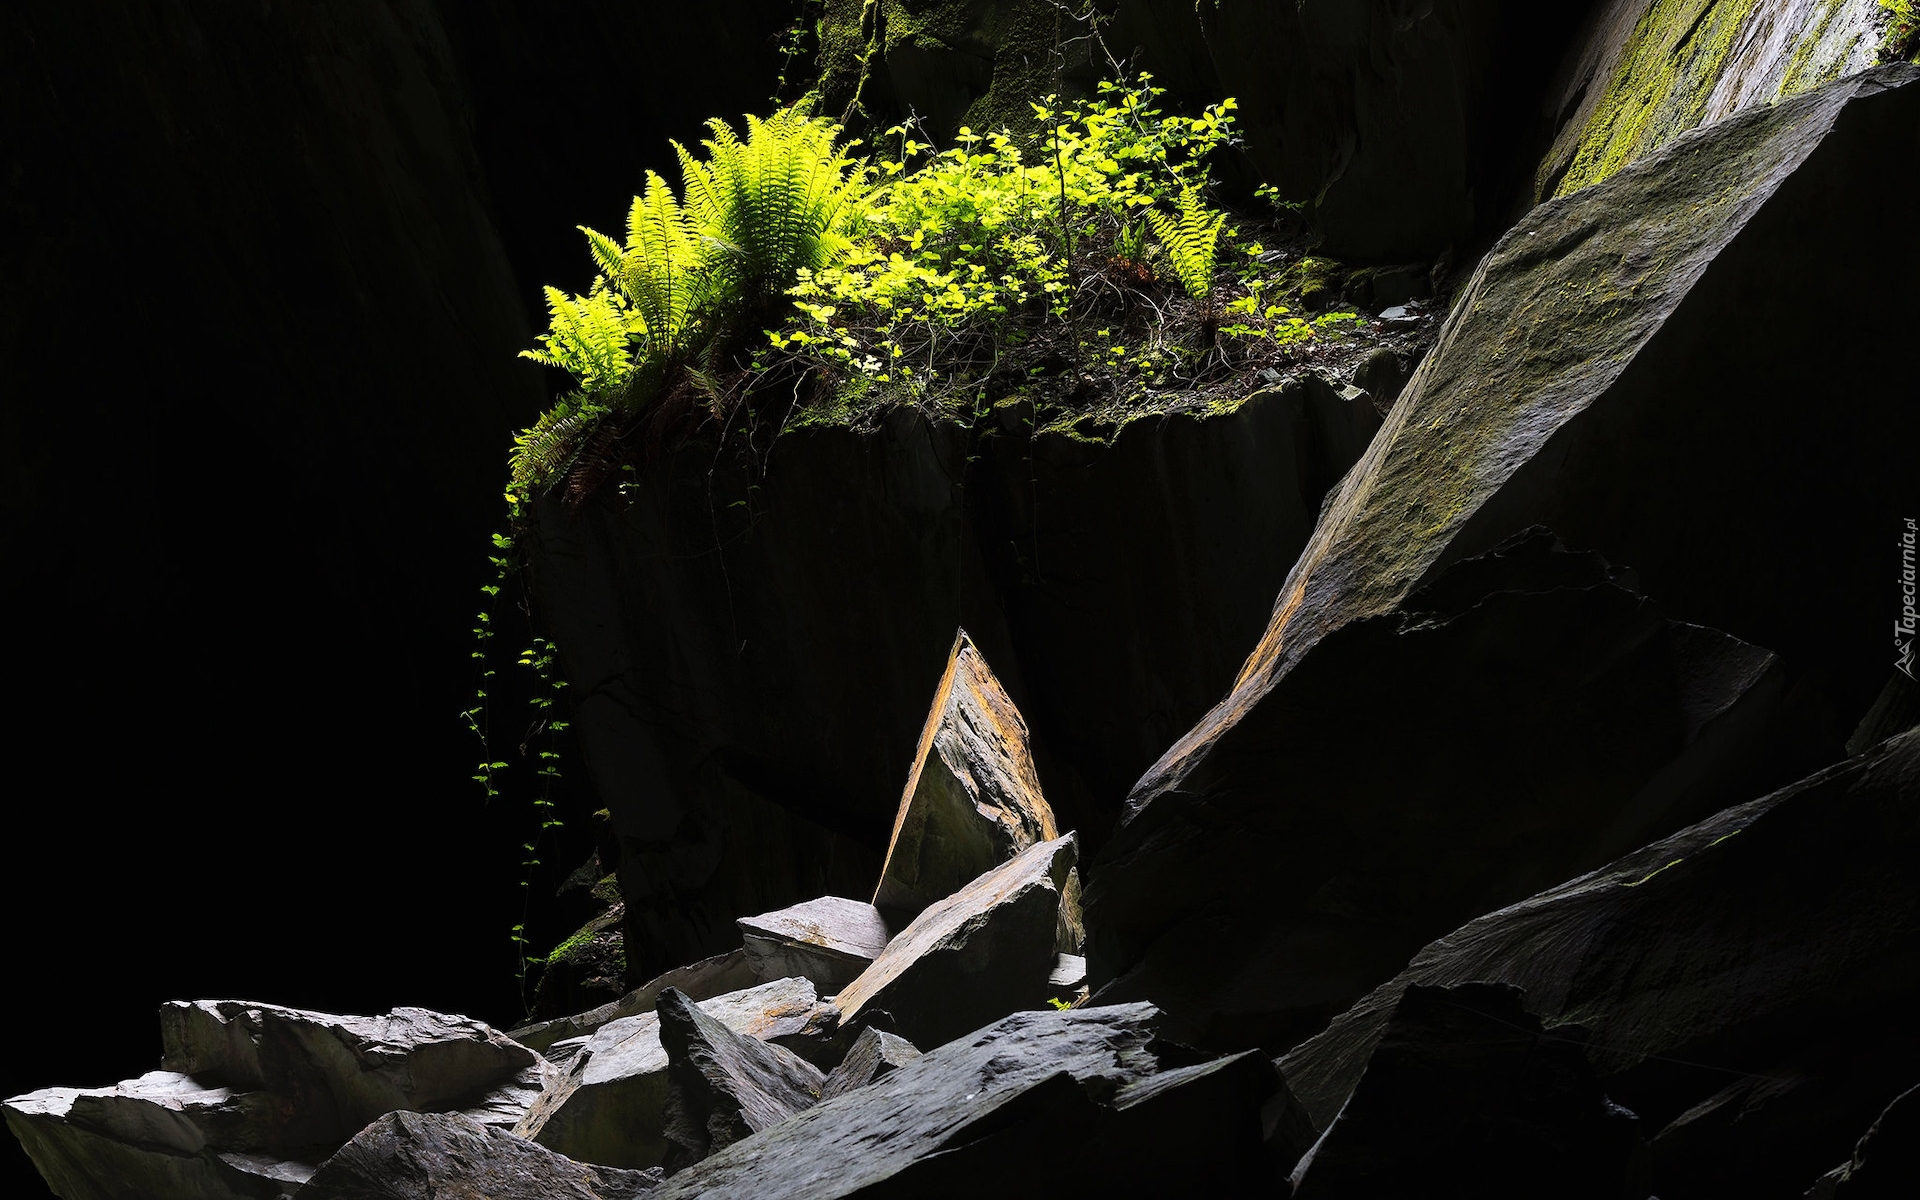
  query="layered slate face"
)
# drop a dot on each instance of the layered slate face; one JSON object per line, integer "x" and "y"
{"x": 973, "y": 798}
{"x": 1626, "y": 370}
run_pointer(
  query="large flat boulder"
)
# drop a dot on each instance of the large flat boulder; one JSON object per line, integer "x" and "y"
{"x": 979, "y": 954}
{"x": 1613, "y": 335}
{"x": 433, "y": 1156}
{"x": 1776, "y": 940}
{"x": 251, "y": 1097}
{"x": 1037, "y": 1103}
{"x": 703, "y": 980}
{"x": 829, "y": 940}
{"x": 610, "y": 1105}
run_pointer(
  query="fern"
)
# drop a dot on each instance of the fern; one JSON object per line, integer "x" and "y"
{"x": 772, "y": 204}
{"x": 547, "y": 450}
{"x": 1191, "y": 240}
{"x": 588, "y": 337}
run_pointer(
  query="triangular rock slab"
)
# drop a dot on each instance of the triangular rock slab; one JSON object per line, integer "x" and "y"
{"x": 610, "y": 1106}
{"x": 1466, "y": 1093}
{"x": 723, "y": 1086}
{"x": 1737, "y": 943}
{"x": 874, "y": 1055}
{"x": 973, "y": 957}
{"x": 1038, "y": 1104}
{"x": 829, "y": 940}
{"x": 972, "y": 799}
{"x": 1886, "y": 1162}
{"x": 438, "y": 1156}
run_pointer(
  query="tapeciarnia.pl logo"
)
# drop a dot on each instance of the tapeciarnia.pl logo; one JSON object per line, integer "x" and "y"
{"x": 1904, "y": 627}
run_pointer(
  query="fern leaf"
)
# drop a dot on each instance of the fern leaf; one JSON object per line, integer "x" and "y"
{"x": 1191, "y": 240}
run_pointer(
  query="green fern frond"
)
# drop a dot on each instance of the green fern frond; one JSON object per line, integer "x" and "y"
{"x": 588, "y": 336}
{"x": 545, "y": 451}
{"x": 1191, "y": 240}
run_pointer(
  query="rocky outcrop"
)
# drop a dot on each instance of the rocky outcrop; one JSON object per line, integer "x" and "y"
{"x": 251, "y": 1097}
{"x": 1772, "y": 949}
{"x": 703, "y": 980}
{"x": 974, "y": 956}
{"x": 747, "y": 714}
{"x": 1884, "y": 1164}
{"x": 874, "y": 1055}
{"x": 1037, "y": 1103}
{"x": 1612, "y": 335}
{"x": 420, "y": 1156}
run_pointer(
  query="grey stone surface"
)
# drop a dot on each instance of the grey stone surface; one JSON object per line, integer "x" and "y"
{"x": 252, "y": 1096}
{"x": 609, "y": 1107}
{"x": 446, "y": 1156}
{"x": 723, "y": 1086}
{"x": 829, "y": 940}
{"x": 971, "y": 958}
{"x": 703, "y": 980}
{"x": 1037, "y": 1104}
{"x": 874, "y": 1055}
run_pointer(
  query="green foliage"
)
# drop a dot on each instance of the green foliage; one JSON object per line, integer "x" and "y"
{"x": 1192, "y": 240}
{"x": 1903, "y": 30}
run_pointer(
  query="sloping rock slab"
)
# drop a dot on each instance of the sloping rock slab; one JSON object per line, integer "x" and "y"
{"x": 419, "y": 1156}
{"x": 972, "y": 799}
{"x": 1016, "y": 1108}
{"x": 1466, "y": 1093}
{"x": 829, "y": 940}
{"x": 1886, "y": 1163}
{"x": 721, "y": 1085}
{"x": 1543, "y": 718}
{"x": 874, "y": 1055}
{"x": 703, "y": 980}
{"x": 1782, "y": 925}
{"x": 253, "y": 1095}
{"x": 1613, "y": 334}
{"x": 975, "y": 956}
{"x": 610, "y": 1106}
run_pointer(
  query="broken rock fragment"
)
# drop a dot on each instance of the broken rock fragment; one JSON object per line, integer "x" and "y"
{"x": 434, "y": 1156}
{"x": 874, "y": 1055}
{"x": 723, "y": 1086}
{"x": 981, "y": 953}
{"x": 829, "y": 940}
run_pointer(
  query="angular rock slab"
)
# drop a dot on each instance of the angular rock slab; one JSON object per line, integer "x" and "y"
{"x": 723, "y": 1086}
{"x": 1743, "y": 942}
{"x": 253, "y": 1095}
{"x": 829, "y": 940}
{"x": 703, "y": 980}
{"x": 973, "y": 957}
{"x": 1543, "y": 718}
{"x": 420, "y": 1156}
{"x": 1037, "y": 1104}
{"x": 1886, "y": 1163}
{"x": 610, "y": 1106}
{"x": 874, "y": 1055}
{"x": 1613, "y": 334}
{"x": 1467, "y": 1093}
{"x": 972, "y": 800}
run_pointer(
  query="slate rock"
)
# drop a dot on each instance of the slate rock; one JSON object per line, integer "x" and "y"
{"x": 251, "y": 1096}
{"x": 421, "y": 1156}
{"x": 829, "y": 940}
{"x": 703, "y": 980}
{"x": 1560, "y": 720}
{"x": 1039, "y": 1101}
{"x": 874, "y": 1055}
{"x": 971, "y": 958}
{"x": 1886, "y": 1163}
{"x": 972, "y": 799}
{"x": 1753, "y": 943}
{"x": 610, "y": 1105}
{"x": 1467, "y": 1092}
{"x": 1612, "y": 334}
{"x": 723, "y": 1086}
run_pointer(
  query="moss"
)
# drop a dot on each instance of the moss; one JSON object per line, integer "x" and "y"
{"x": 1660, "y": 90}
{"x": 1806, "y": 68}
